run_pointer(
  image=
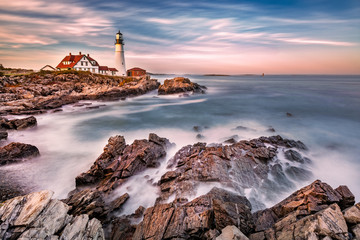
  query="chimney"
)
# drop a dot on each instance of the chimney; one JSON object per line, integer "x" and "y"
{"x": 88, "y": 55}
{"x": 69, "y": 54}
{"x": 79, "y": 53}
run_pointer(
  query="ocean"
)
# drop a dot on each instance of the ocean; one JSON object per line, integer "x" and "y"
{"x": 325, "y": 115}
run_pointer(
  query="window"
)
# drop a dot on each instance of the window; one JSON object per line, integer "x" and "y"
{"x": 82, "y": 63}
{"x": 86, "y": 63}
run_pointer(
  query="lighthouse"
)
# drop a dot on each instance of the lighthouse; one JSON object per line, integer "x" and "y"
{"x": 119, "y": 54}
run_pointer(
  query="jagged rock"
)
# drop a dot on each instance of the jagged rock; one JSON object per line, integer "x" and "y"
{"x": 241, "y": 165}
{"x": 18, "y": 124}
{"x": 83, "y": 228}
{"x": 112, "y": 151}
{"x": 308, "y": 213}
{"x": 87, "y": 201}
{"x": 271, "y": 129}
{"x": 294, "y": 156}
{"x": 257, "y": 236}
{"x": 279, "y": 141}
{"x": 265, "y": 219}
{"x": 124, "y": 227}
{"x": 231, "y": 232}
{"x": 352, "y": 214}
{"x": 312, "y": 198}
{"x": 179, "y": 85}
{"x": 120, "y": 161}
{"x": 37, "y": 216}
{"x": 356, "y": 231}
{"x": 15, "y": 151}
{"x": 200, "y": 136}
{"x": 194, "y": 219}
{"x": 347, "y": 198}
{"x": 49, "y": 222}
{"x": 328, "y": 222}
{"x": 119, "y": 202}
{"x": 297, "y": 173}
{"x": 3, "y": 135}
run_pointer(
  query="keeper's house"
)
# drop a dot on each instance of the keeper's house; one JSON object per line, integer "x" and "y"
{"x": 82, "y": 62}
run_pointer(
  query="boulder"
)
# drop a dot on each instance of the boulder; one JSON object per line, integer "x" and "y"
{"x": 37, "y": 216}
{"x": 179, "y": 85}
{"x": 3, "y": 135}
{"x": 231, "y": 232}
{"x": 356, "y": 230}
{"x": 15, "y": 152}
{"x": 18, "y": 124}
{"x": 347, "y": 198}
{"x": 352, "y": 214}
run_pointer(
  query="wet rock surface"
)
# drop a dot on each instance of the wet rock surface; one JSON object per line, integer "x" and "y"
{"x": 308, "y": 213}
{"x": 180, "y": 85}
{"x": 37, "y": 216}
{"x": 15, "y": 152}
{"x": 201, "y": 196}
{"x": 17, "y": 124}
{"x": 120, "y": 161}
{"x": 241, "y": 165}
{"x": 36, "y": 93}
{"x": 193, "y": 220}
{"x": 3, "y": 135}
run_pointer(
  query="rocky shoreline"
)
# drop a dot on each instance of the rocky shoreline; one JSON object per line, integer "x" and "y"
{"x": 37, "y": 93}
{"x": 316, "y": 211}
{"x": 208, "y": 191}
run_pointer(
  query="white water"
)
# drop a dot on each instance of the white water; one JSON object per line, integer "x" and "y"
{"x": 326, "y": 120}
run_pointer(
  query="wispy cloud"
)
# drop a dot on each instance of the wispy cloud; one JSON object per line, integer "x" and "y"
{"x": 162, "y": 20}
{"x": 45, "y": 23}
{"x": 318, "y": 42}
{"x": 209, "y": 32}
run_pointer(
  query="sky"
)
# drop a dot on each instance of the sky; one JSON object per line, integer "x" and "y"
{"x": 199, "y": 37}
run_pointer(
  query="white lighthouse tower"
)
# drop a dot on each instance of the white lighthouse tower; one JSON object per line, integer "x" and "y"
{"x": 119, "y": 54}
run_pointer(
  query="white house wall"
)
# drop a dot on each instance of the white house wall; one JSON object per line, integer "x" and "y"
{"x": 85, "y": 65}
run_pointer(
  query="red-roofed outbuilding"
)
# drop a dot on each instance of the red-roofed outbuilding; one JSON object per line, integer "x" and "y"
{"x": 135, "y": 72}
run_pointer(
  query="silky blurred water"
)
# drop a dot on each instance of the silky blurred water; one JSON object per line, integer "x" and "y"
{"x": 325, "y": 116}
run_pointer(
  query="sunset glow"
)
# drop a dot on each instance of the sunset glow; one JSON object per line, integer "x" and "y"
{"x": 227, "y": 37}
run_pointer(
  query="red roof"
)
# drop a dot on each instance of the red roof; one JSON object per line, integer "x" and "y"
{"x": 91, "y": 59}
{"x": 136, "y": 69}
{"x": 104, "y": 68}
{"x": 113, "y": 69}
{"x": 73, "y": 59}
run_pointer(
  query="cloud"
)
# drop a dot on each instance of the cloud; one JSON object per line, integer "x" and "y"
{"x": 162, "y": 20}
{"x": 318, "y": 42}
{"x": 44, "y": 23}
